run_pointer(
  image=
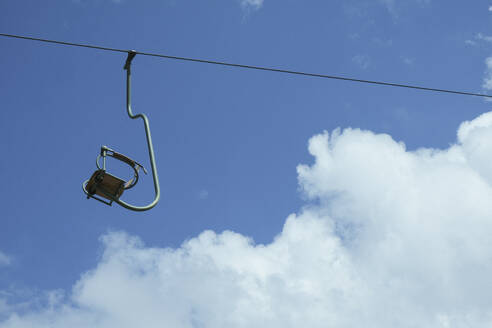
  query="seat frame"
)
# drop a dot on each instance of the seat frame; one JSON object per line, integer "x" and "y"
{"x": 105, "y": 185}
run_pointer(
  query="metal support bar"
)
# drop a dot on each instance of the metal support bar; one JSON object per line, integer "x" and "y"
{"x": 127, "y": 67}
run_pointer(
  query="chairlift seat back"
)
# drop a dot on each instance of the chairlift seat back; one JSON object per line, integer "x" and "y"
{"x": 105, "y": 185}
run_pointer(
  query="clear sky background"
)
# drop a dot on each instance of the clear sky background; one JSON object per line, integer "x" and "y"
{"x": 227, "y": 141}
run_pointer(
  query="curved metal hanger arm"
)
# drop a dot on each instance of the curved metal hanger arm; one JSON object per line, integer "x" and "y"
{"x": 127, "y": 67}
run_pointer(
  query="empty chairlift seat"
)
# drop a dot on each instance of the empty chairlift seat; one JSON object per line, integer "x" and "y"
{"x": 106, "y": 187}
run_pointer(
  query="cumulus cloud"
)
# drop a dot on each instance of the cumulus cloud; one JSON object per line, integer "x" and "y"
{"x": 388, "y": 238}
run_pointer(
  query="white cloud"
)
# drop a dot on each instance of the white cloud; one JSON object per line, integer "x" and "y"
{"x": 383, "y": 42}
{"x": 203, "y": 194}
{"x": 487, "y": 81}
{"x": 490, "y": 8}
{"x": 407, "y": 60}
{"x": 483, "y": 37}
{"x": 253, "y": 4}
{"x": 4, "y": 259}
{"x": 479, "y": 37}
{"x": 4, "y": 307}
{"x": 390, "y": 6}
{"x": 363, "y": 61}
{"x": 390, "y": 238}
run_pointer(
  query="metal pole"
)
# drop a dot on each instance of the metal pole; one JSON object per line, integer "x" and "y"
{"x": 131, "y": 55}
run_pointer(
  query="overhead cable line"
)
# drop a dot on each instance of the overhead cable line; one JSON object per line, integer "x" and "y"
{"x": 261, "y": 68}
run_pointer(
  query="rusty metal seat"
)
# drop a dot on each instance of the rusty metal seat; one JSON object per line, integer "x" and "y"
{"x": 106, "y": 187}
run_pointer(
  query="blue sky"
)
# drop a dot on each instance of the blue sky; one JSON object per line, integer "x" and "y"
{"x": 228, "y": 141}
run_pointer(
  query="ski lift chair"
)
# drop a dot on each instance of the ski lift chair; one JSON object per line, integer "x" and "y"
{"x": 105, "y": 185}
{"x": 108, "y": 188}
